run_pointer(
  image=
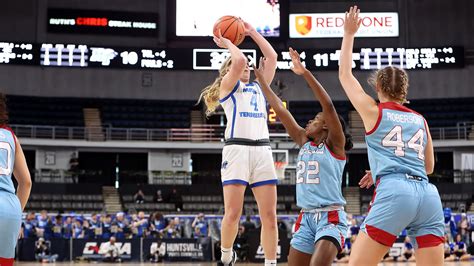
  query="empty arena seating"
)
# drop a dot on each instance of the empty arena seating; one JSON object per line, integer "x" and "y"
{"x": 114, "y": 112}
{"x": 65, "y": 197}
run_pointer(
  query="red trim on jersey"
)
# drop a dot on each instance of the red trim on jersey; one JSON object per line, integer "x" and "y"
{"x": 333, "y": 217}
{"x": 342, "y": 243}
{"x": 6, "y": 262}
{"x": 373, "y": 196}
{"x": 381, "y": 236}
{"x": 379, "y": 118}
{"x": 396, "y": 106}
{"x": 298, "y": 222}
{"x": 428, "y": 241}
{"x": 14, "y": 138}
{"x": 339, "y": 157}
{"x": 391, "y": 106}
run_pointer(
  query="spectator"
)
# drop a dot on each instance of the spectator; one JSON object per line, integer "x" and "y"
{"x": 111, "y": 251}
{"x": 119, "y": 226}
{"x": 248, "y": 224}
{"x": 44, "y": 225}
{"x": 29, "y": 226}
{"x": 200, "y": 226}
{"x": 449, "y": 224}
{"x": 139, "y": 225}
{"x": 139, "y": 197}
{"x": 241, "y": 245}
{"x": 448, "y": 249}
{"x": 464, "y": 229}
{"x": 74, "y": 167}
{"x": 460, "y": 249}
{"x": 157, "y": 224}
{"x": 42, "y": 252}
{"x": 78, "y": 230}
{"x": 67, "y": 228}
{"x": 408, "y": 250}
{"x": 88, "y": 231}
{"x": 354, "y": 229}
{"x": 106, "y": 226}
{"x": 173, "y": 230}
{"x": 58, "y": 227}
{"x": 282, "y": 225}
{"x": 157, "y": 198}
{"x": 96, "y": 226}
{"x": 157, "y": 252}
{"x": 176, "y": 198}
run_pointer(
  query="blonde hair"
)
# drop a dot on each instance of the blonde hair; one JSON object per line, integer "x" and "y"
{"x": 210, "y": 94}
{"x": 392, "y": 81}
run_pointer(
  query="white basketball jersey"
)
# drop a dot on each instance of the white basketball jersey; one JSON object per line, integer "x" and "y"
{"x": 246, "y": 111}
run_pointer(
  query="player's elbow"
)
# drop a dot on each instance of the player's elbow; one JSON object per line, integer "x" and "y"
{"x": 429, "y": 169}
{"x": 239, "y": 62}
{"x": 272, "y": 57}
{"x": 25, "y": 181}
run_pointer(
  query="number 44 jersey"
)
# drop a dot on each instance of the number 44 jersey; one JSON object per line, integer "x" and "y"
{"x": 397, "y": 142}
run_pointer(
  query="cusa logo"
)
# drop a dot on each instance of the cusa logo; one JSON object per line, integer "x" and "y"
{"x": 260, "y": 254}
{"x": 92, "y": 248}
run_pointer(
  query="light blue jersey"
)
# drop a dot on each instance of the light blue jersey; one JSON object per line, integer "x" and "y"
{"x": 7, "y": 159}
{"x": 10, "y": 209}
{"x": 319, "y": 177}
{"x": 396, "y": 145}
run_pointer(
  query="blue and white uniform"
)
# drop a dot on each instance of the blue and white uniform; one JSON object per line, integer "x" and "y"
{"x": 10, "y": 208}
{"x": 403, "y": 197}
{"x": 318, "y": 193}
{"x": 247, "y": 156}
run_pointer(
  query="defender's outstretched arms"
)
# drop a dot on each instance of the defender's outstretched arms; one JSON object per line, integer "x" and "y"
{"x": 363, "y": 103}
{"x": 296, "y": 132}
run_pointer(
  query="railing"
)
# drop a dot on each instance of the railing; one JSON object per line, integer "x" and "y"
{"x": 196, "y": 133}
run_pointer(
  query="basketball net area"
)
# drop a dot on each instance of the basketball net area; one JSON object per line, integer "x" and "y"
{"x": 280, "y": 159}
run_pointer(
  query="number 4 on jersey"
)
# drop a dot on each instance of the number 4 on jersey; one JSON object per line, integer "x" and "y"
{"x": 394, "y": 139}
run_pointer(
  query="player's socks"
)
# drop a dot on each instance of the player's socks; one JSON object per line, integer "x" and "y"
{"x": 270, "y": 262}
{"x": 226, "y": 255}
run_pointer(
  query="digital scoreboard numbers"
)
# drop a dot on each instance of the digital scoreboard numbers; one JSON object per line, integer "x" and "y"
{"x": 212, "y": 59}
{"x": 273, "y": 117}
{"x": 18, "y": 53}
{"x": 89, "y": 56}
{"x": 377, "y": 58}
{"x": 70, "y": 55}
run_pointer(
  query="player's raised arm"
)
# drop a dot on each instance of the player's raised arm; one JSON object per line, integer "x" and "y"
{"x": 237, "y": 67}
{"x": 363, "y": 103}
{"x": 296, "y": 132}
{"x": 336, "y": 137}
{"x": 267, "y": 50}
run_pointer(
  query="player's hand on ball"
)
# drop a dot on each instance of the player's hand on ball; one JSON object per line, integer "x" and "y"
{"x": 221, "y": 41}
{"x": 248, "y": 28}
{"x": 352, "y": 21}
{"x": 297, "y": 67}
{"x": 366, "y": 181}
{"x": 260, "y": 70}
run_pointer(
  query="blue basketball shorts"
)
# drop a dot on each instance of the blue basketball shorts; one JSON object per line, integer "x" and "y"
{"x": 311, "y": 227}
{"x": 400, "y": 202}
{"x": 10, "y": 223}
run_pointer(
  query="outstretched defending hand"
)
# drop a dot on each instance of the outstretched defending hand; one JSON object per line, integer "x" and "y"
{"x": 366, "y": 181}
{"x": 297, "y": 67}
{"x": 221, "y": 41}
{"x": 259, "y": 72}
{"x": 352, "y": 21}
{"x": 248, "y": 28}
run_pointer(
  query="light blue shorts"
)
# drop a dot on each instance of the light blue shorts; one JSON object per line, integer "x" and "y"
{"x": 400, "y": 202}
{"x": 311, "y": 227}
{"x": 10, "y": 223}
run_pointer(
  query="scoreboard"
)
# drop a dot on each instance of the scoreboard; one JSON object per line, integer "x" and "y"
{"x": 91, "y": 56}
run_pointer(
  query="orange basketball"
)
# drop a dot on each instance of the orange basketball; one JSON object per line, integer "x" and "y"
{"x": 231, "y": 27}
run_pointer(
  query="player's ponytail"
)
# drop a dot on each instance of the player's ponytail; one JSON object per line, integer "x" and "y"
{"x": 349, "y": 144}
{"x": 3, "y": 110}
{"x": 210, "y": 94}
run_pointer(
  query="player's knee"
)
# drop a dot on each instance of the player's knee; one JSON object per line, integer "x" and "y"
{"x": 269, "y": 218}
{"x": 232, "y": 215}
{"x": 320, "y": 259}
